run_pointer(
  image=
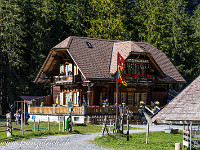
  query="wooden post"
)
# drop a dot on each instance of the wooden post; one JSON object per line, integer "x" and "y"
{"x": 38, "y": 125}
{"x": 191, "y": 135}
{"x": 147, "y": 134}
{"x": 63, "y": 123}
{"x": 48, "y": 124}
{"x": 22, "y": 123}
{"x": 127, "y": 127}
{"x": 117, "y": 100}
{"x": 9, "y": 125}
{"x": 114, "y": 127}
{"x": 110, "y": 127}
{"x": 178, "y": 146}
{"x": 24, "y": 113}
{"x": 29, "y": 109}
{"x": 59, "y": 122}
{"x": 34, "y": 124}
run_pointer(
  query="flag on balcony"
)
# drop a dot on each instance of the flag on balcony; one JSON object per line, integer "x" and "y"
{"x": 121, "y": 62}
{"x": 121, "y": 79}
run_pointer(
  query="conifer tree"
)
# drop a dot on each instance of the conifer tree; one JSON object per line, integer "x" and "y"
{"x": 107, "y": 20}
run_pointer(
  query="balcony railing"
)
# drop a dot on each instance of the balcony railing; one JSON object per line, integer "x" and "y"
{"x": 62, "y": 79}
{"x": 78, "y": 110}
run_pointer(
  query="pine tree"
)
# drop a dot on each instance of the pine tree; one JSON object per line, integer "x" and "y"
{"x": 152, "y": 22}
{"x": 181, "y": 50}
{"x": 107, "y": 19}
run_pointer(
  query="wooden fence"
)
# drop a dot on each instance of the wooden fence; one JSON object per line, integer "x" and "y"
{"x": 191, "y": 137}
{"x": 7, "y": 124}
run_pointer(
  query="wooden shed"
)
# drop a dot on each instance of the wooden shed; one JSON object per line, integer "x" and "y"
{"x": 184, "y": 109}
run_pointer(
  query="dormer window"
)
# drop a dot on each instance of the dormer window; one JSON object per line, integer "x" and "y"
{"x": 88, "y": 44}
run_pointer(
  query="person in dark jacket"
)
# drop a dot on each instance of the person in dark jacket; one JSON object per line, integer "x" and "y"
{"x": 27, "y": 116}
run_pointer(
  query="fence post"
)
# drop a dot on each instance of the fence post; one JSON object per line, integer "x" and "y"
{"x": 34, "y": 124}
{"x": 59, "y": 122}
{"x": 54, "y": 108}
{"x": 48, "y": 124}
{"x": 178, "y": 146}
{"x": 40, "y": 108}
{"x": 147, "y": 134}
{"x": 29, "y": 109}
{"x": 9, "y": 125}
{"x": 84, "y": 110}
{"x": 127, "y": 127}
{"x": 110, "y": 127}
{"x": 38, "y": 125}
{"x": 63, "y": 123}
{"x": 22, "y": 124}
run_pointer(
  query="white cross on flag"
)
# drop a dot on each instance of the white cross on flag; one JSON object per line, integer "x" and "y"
{"x": 121, "y": 62}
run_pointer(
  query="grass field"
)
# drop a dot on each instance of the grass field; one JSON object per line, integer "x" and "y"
{"x": 43, "y": 130}
{"x": 157, "y": 141}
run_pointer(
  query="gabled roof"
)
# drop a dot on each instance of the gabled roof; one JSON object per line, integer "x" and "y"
{"x": 184, "y": 107}
{"x": 99, "y": 60}
{"x": 164, "y": 64}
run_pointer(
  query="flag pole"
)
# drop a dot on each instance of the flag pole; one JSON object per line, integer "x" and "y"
{"x": 117, "y": 111}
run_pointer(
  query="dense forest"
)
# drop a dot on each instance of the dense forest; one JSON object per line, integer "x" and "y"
{"x": 30, "y": 28}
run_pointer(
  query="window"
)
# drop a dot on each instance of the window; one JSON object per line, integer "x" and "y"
{"x": 62, "y": 68}
{"x": 70, "y": 96}
{"x": 75, "y": 70}
{"x": 76, "y": 98}
{"x": 123, "y": 97}
{"x": 61, "y": 98}
{"x": 137, "y": 99}
{"x": 70, "y": 70}
{"x": 66, "y": 98}
{"x": 130, "y": 98}
{"x": 144, "y": 97}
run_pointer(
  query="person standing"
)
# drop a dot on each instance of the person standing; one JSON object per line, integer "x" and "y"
{"x": 17, "y": 117}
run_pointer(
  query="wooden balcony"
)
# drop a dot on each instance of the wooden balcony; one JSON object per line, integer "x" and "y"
{"x": 63, "y": 79}
{"x": 78, "y": 110}
{"x": 51, "y": 110}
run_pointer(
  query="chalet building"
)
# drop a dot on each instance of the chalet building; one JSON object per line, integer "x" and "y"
{"x": 83, "y": 70}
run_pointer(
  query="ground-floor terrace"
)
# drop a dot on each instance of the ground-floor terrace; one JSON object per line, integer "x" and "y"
{"x": 90, "y": 104}
{"x": 83, "y": 114}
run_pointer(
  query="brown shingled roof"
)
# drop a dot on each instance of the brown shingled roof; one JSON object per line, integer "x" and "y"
{"x": 93, "y": 62}
{"x": 99, "y": 62}
{"x": 184, "y": 107}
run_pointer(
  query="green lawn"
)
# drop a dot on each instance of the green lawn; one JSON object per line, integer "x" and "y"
{"x": 43, "y": 130}
{"x": 157, "y": 141}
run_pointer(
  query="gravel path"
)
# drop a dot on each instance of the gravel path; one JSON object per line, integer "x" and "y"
{"x": 71, "y": 142}
{"x": 58, "y": 142}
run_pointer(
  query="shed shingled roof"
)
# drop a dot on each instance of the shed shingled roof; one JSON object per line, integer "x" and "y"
{"x": 184, "y": 107}
{"x": 98, "y": 62}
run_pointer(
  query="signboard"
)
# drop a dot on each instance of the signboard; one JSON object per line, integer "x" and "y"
{"x": 137, "y": 61}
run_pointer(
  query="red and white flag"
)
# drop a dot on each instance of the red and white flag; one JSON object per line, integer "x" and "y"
{"x": 121, "y": 62}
